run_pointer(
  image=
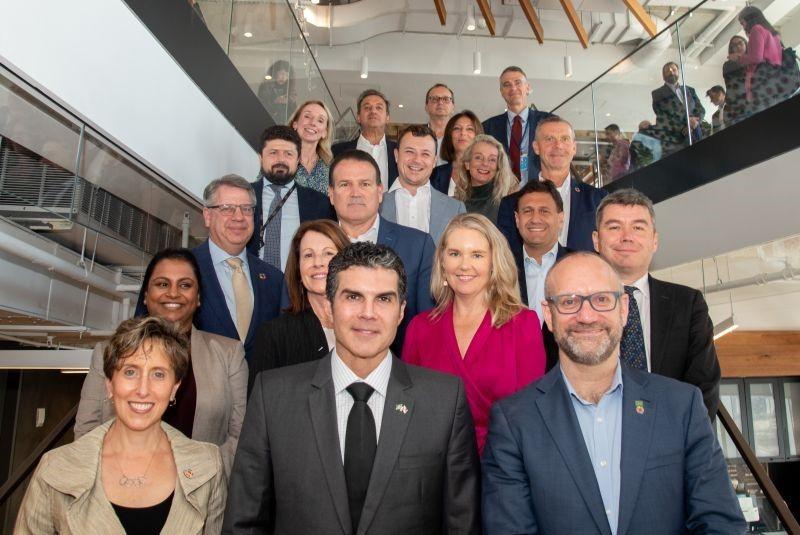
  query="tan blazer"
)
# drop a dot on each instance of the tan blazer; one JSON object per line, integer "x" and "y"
{"x": 66, "y": 495}
{"x": 220, "y": 372}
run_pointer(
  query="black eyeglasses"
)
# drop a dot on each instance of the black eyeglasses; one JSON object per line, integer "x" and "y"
{"x": 572, "y": 303}
{"x": 230, "y": 209}
{"x": 436, "y": 100}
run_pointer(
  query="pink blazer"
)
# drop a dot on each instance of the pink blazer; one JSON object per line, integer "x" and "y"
{"x": 763, "y": 47}
{"x": 498, "y": 361}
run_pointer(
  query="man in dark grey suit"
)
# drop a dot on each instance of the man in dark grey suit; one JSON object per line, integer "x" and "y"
{"x": 357, "y": 442}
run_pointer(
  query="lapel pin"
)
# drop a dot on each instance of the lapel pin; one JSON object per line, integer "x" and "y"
{"x": 188, "y": 473}
{"x": 577, "y": 189}
{"x": 401, "y": 407}
{"x": 262, "y": 276}
{"x": 639, "y": 406}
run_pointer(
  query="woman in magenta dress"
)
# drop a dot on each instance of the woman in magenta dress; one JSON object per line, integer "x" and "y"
{"x": 479, "y": 329}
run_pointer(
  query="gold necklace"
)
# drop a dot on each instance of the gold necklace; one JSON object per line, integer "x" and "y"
{"x": 138, "y": 481}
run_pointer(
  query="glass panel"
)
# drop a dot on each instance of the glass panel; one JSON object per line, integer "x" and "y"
{"x": 764, "y": 420}
{"x": 578, "y": 111}
{"x": 757, "y": 511}
{"x": 791, "y": 392}
{"x": 730, "y": 398}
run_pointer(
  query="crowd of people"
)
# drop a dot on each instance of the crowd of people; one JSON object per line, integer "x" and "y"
{"x": 446, "y": 333}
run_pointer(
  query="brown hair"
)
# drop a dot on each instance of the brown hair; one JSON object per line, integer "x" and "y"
{"x": 371, "y": 93}
{"x": 448, "y": 152}
{"x": 416, "y": 130}
{"x": 145, "y": 333}
{"x": 298, "y": 300}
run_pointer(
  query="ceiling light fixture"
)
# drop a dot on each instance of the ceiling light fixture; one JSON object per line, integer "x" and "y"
{"x": 315, "y": 2}
{"x": 476, "y": 62}
{"x": 728, "y": 325}
{"x": 471, "y": 24}
{"x": 248, "y": 34}
{"x": 364, "y": 66}
{"x": 567, "y": 63}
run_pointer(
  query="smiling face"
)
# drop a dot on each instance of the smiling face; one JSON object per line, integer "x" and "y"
{"x": 482, "y": 165}
{"x": 279, "y": 159}
{"x": 627, "y": 238}
{"x": 538, "y": 220}
{"x": 463, "y": 134}
{"x": 142, "y": 387}
{"x": 514, "y": 88}
{"x": 438, "y": 108}
{"x": 467, "y": 262}
{"x": 173, "y": 292}
{"x": 555, "y": 144}
{"x": 355, "y": 193}
{"x": 312, "y": 124}
{"x": 231, "y": 233}
{"x": 316, "y": 251}
{"x": 416, "y": 157}
{"x": 373, "y": 114}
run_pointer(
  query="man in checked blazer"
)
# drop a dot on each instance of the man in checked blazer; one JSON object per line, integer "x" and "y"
{"x": 294, "y": 468}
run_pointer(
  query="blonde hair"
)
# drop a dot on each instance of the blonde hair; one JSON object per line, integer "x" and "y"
{"x": 505, "y": 182}
{"x": 323, "y": 145}
{"x": 502, "y": 292}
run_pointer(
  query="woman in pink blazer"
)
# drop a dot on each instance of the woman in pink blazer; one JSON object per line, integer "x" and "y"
{"x": 479, "y": 329}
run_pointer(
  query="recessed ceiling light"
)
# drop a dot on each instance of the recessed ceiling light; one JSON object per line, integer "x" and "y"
{"x": 248, "y": 34}
{"x": 399, "y": 105}
{"x": 608, "y": 114}
{"x": 267, "y": 77}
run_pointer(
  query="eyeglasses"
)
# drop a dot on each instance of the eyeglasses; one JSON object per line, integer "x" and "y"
{"x": 436, "y": 100}
{"x": 230, "y": 209}
{"x": 572, "y": 303}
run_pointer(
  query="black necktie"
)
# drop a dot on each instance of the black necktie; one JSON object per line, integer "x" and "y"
{"x": 360, "y": 443}
{"x": 631, "y": 348}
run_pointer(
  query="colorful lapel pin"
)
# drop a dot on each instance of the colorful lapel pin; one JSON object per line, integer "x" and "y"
{"x": 188, "y": 473}
{"x": 401, "y": 407}
{"x": 639, "y": 406}
{"x": 262, "y": 276}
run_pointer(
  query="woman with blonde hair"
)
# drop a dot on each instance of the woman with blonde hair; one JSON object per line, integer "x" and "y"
{"x": 313, "y": 122}
{"x": 484, "y": 177}
{"x": 479, "y": 329}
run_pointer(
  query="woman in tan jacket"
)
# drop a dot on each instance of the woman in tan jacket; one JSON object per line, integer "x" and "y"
{"x": 135, "y": 473}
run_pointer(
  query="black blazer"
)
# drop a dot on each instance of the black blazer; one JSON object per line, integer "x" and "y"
{"x": 390, "y": 147}
{"x": 440, "y": 178}
{"x": 311, "y": 205}
{"x": 671, "y": 114}
{"x": 288, "y": 339}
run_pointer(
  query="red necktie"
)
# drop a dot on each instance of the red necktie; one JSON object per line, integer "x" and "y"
{"x": 513, "y": 146}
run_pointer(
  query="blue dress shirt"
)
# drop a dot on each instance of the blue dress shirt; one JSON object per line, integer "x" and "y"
{"x": 525, "y": 145}
{"x": 535, "y": 274}
{"x": 289, "y": 214}
{"x": 225, "y": 272}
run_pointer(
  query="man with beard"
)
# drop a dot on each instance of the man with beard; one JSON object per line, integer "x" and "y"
{"x": 282, "y": 204}
{"x": 595, "y": 446}
{"x": 670, "y": 104}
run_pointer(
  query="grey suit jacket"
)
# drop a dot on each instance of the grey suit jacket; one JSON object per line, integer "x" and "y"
{"x": 220, "y": 372}
{"x": 288, "y": 476}
{"x": 443, "y": 209}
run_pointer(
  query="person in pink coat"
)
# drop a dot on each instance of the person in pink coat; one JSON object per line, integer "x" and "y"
{"x": 479, "y": 329}
{"x": 762, "y": 60}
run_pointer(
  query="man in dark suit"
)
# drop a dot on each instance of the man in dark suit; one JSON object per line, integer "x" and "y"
{"x": 373, "y": 118}
{"x": 670, "y": 110}
{"x": 357, "y": 442}
{"x": 356, "y": 193}
{"x": 238, "y": 292}
{"x": 669, "y": 323}
{"x": 554, "y": 142}
{"x": 281, "y": 202}
{"x": 598, "y": 447}
{"x": 515, "y": 128}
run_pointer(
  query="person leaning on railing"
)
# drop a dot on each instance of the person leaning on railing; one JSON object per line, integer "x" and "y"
{"x": 135, "y": 473}
{"x": 211, "y": 401}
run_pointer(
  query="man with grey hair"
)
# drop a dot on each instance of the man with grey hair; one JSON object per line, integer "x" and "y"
{"x": 238, "y": 291}
{"x": 669, "y": 331}
{"x": 596, "y": 446}
{"x": 357, "y": 442}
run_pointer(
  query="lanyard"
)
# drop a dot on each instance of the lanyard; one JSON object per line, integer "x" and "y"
{"x": 275, "y": 212}
{"x": 523, "y": 147}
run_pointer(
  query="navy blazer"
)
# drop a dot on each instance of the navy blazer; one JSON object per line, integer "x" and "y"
{"x": 440, "y": 178}
{"x": 497, "y": 127}
{"x": 343, "y": 146}
{"x": 584, "y": 200}
{"x": 538, "y": 476}
{"x": 311, "y": 205}
{"x": 213, "y": 315}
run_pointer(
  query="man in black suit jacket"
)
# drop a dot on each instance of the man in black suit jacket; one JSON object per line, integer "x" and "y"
{"x": 668, "y": 105}
{"x": 314, "y": 458}
{"x": 373, "y": 118}
{"x": 280, "y": 156}
{"x": 673, "y": 321}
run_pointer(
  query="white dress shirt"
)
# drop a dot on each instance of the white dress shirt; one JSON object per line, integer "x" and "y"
{"x": 535, "y": 274}
{"x": 370, "y": 235}
{"x": 289, "y": 214}
{"x": 344, "y": 377}
{"x": 564, "y": 190}
{"x": 224, "y": 273}
{"x": 413, "y": 210}
{"x": 379, "y": 152}
{"x": 642, "y": 296}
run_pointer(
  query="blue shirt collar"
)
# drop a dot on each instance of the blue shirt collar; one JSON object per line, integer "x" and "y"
{"x": 522, "y": 115}
{"x": 218, "y": 256}
{"x": 616, "y": 383}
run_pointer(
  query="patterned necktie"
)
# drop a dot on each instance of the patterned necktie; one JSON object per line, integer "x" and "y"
{"x": 631, "y": 347}
{"x": 242, "y": 297}
{"x": 360, "y": 444}
{"x": 272, "y": 233}
{"x": 514, "y": 143}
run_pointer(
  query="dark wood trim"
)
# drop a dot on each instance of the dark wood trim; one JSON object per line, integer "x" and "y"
{"x": 486, "y": 11}
{"x": 533, "y": 19}
{"x": 441, "y": 10}
{"x": 575, "y": 20}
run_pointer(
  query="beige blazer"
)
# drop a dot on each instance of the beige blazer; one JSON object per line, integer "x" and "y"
{"x": 220, "y": 372}
{"x": 66, "y": 495}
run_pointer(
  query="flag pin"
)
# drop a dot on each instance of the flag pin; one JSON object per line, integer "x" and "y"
{"x": 262, "y": 276}
{"x": 401, "y": 407}
{"x": 639, "y": 406}
{"x": 188, "y": 473}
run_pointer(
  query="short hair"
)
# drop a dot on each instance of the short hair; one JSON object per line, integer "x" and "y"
{"x": 323, "y": 145}
{"x": 174, "y": 253}
{"x": 503, "y": 293}
{"x": 280, "y": 65}
{"x": 513, "y": 68}
{"x": 357, "y": 156}
{"x": 133, "y": 334}
{"x": 668, "y": 64}
{"x": 434, "y": 86}
{"x": 540, "y": 186}
{"x": 417, "y": 130}
{"x": 613, "y": 127}
{"x": 505, "y": 182}
{"x": 282, "y": 132}
{"x": 368, "y": 255}
{"x": 448, "y": 151}
{"x": 371, "y": 93}
{"x": 232, "y": 181}
{"x": 734, "y": 38}
{"x": 548, "y": 281}
{"x": 625, "y": 197}
{"x": 716, "y": 89}
{"x": 298, "y": 299}
{"x": 550, "y": 119}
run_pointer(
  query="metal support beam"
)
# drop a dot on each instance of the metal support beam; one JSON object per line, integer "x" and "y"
{"x": 642, "y": 16}
{"x": 486, "y": 11}
{"x": 441, "y": 11}
{"x": 533, "y": 19}
{"x": 575, "y": 20}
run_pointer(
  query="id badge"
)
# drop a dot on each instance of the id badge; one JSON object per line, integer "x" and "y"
{"x": 523, "y": 164}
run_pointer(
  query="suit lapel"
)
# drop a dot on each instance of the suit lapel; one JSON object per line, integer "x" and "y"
{"x": 562, "y": 424}
{"x": 661, "y": 315}
{"x": 393, "y": 431}
{"x": 213, "y": 298}
{"x": 303, "y": 203}
{"x": 389, "y": 207}
{"x": 386, "y": 233}
{"x": 637, "y": 431}
{"x": 575, "y": 200}
{"x": 523, "y": 282}
{"x": 322, "y": 407}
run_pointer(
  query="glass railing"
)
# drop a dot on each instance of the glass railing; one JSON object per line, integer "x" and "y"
{"x": 635, "y": 113}
{"x": 265, "y": 42}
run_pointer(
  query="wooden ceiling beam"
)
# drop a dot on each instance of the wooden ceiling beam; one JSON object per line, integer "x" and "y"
{"x": 642, "y": 16}
{"x": 533, "y": 19}
{"x": 441, "y": 11}
{"x": 575, "y": 20}
{"x": 486, "y": 11}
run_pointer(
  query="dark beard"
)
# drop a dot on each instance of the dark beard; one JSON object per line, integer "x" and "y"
{"x": 672, "y": 79}
{"x": 279, "y": 179}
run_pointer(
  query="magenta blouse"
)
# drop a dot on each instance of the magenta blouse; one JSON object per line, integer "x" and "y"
{"x": 498, "y": 361}
{"x": 762, "y": 47}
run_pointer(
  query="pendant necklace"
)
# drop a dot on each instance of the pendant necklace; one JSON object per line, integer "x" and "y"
{"x": 138, "y": 481}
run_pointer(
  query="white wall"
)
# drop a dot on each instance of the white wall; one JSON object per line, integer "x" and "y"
{"x": 97, "y": 58}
